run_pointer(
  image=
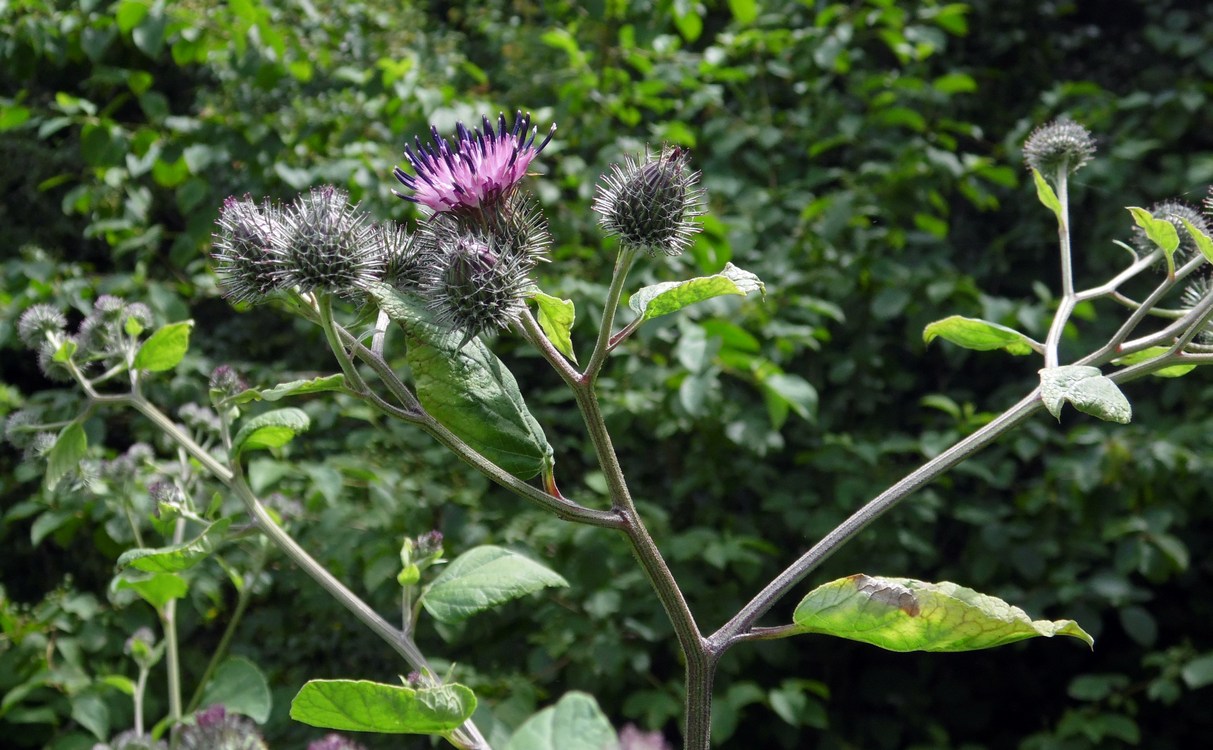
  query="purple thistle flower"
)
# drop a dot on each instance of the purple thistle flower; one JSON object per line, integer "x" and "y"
{"x": 476, "y": 168}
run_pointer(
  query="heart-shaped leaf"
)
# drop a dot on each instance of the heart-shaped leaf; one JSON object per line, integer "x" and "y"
{"x": 1087, "y": 389}
{"x": 574, "y": 723}
{"x": 482, "y": 578}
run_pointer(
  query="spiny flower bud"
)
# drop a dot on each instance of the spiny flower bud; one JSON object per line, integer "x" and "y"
{"x": 227, "y": 381}
{"x": 56, "y": 371}
{"x": 404, "y": 257}
{"x": 132, "y": 740}
{"x": 473, "y": 288}
{"x": 1060, "y": 145}
{"x": 1173, "y": 211}
{"x": 326, "y": 245}
{"x": 39, "y": 321}
{"x": 1200, "y": 285}
{"x": 216, "y": 729}
{"x": 651, "y": 203}
{"x": 20, "y": 428}
{"x": 242, "y": 260}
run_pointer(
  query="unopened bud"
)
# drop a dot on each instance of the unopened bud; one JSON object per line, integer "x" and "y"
{"x": 651, "y": 203}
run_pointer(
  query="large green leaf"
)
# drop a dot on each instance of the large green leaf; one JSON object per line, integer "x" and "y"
{"x": 164, "y": 348}
{"x": 574, "y": 723}
{"x": 671, "y": 296}
{"x": 979, "y": 335}
{"x": 1087, "y": 389}
{"x": 272, "y": 429}
{"x": 65, "y": 455}
{"x": 484, "y": 577}
{"x": 362, "y": 706}
{"x": 468, "y": 389}
{"x": 241, "y": 688}
{"x": 178, "y": 556}
{"x": 901, "y": 614}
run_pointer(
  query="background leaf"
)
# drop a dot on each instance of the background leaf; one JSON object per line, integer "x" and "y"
{"x": 574, "y": 723}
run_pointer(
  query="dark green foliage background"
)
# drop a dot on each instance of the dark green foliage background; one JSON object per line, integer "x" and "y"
{"x": 862, "y": 158}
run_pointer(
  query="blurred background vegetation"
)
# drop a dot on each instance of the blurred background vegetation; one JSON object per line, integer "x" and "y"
{"x": 862, "y": 158}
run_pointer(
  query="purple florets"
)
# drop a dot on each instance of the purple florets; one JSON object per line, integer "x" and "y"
{"x": 476, "y": 168}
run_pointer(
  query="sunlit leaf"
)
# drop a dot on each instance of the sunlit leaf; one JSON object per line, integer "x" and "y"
{"x": 556, "y": 318}
{"x": 272, "y": 429}
{"x": 362, "y": 706}
{"x": 902, "y": 614}
{"x": 482, "y": 578}
{"x": 979, "y": 335}
{"x": 671, "y": 296}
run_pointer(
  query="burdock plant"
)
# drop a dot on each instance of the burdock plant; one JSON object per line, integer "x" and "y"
{"x": 468, "y": 269}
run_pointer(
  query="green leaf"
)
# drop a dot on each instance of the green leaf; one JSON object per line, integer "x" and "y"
{"x": 795, "y": 391}
{"x": 362, "y": 706}
{"x": 481, "y": 578}
{"x": 1144, "y": 355}
{"x": 901, "y": 614}
{"x": 165, "y": 348}
{"x": 745, "y": 12}
{"x": 69, "y": 448}
{"x": 272, "y": 429}
{"x": 1202, "y": 240}
{"x": 241, "y": 687}
{"x": 178, "y": 556}
{"x": 90, "y": 711}
{"x": 574, "y": 723}
{"x": 556, "y": 318}
{"x": 1160, "y": 231}
{"x": 466, "y": 388}
{"x": 1198, "y": 672}
{"x": 979, "y": 335}
{"x": 157, "y": 590}
{"x": 293, "y": 388}
{"x": 1088, "y": 390}
{"x": 671, "y": 296}
{"x": 1045, "y": 193}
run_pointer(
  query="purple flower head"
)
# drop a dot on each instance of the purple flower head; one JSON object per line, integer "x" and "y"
{"x": 476, "y": 168}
